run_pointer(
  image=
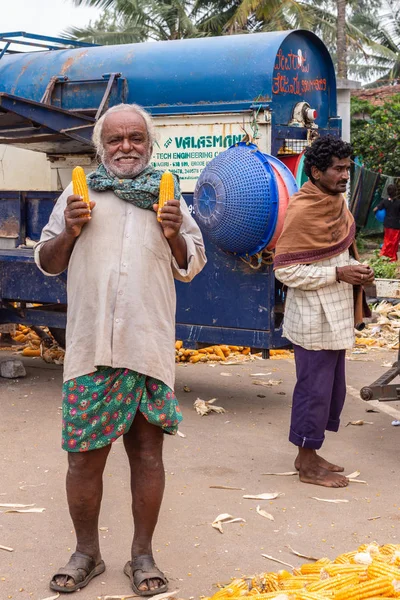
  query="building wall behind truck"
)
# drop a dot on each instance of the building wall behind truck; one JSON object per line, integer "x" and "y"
{"x": 24, "y": 170}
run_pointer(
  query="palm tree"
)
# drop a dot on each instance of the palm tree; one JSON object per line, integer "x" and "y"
{"x": 383, "y": 42}
{"x": 356, "y": 43}
{"x": 341, "y": 39}
{"x": 127, "y": 21}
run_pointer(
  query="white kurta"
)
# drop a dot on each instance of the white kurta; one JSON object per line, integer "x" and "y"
{"x": 121, "y": 292}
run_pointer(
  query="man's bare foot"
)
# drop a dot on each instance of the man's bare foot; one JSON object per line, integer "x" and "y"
{"x": 310, "y": 470}
{"x": 319, "y": 476}
{"x": 324, "y": 464}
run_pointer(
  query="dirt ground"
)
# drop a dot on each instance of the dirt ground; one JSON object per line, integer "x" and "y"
{"x": 231, "y": 449}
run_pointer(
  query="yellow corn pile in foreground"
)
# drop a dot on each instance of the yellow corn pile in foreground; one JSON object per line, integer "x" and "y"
{"x": 221, "y": 353}
{"x": 79, "y": 184}
{"x": 371, "y": 572}
{"x": 166, "y": 191}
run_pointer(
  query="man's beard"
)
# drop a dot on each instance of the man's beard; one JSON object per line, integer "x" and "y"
{"x": 127, "y": 170}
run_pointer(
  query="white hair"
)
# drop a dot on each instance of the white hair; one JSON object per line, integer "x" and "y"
{"x": 135, "y": 108}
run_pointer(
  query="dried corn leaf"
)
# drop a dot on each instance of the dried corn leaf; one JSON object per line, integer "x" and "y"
{"x": 24, "y": 510}
{"x": 353, "y": 475}
{"x": 300, "y": 554}
{"x": 258, "y": 374}
{"x": 182, "y": 435}
{"x": 16, "y": 505}
{"x": 204, "y": 407}
{"x": 356, "y": 480}
{"x": 217, "y": 525}
{"x": 374, "y": 518}
{"x": 359, "y": 422}
{"x": 225, "y": 487}
{"x": 269, "y": 383}
{"x": 118, "y": 597}
{"x": 332, "y": 500}
{"x": 264, "y": 513}
{"x": 281, "y": 562}
{"x": 266, "y": 496}
{"x": 225, "y": 518}
{"x": 128, "y": 596}
{"x": 285, "y": 474}
{"x": 52, "y": 597}
{"x": 6, "y": 548}
{"x": 226, "y": 374}
{"x": 23, "y": 487}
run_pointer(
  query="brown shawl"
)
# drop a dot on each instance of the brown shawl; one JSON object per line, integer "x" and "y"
{"x": 318, "y": 226}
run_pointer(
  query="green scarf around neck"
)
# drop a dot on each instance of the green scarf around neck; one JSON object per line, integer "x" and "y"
{"x": 142, "y": 190}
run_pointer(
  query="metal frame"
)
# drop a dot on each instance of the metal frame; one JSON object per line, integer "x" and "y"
{"x": 44, "y": 42}
{"x": 380, "y": 389}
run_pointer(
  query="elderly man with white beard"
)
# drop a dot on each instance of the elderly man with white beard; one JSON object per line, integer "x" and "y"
{"x": 120, "y": 358}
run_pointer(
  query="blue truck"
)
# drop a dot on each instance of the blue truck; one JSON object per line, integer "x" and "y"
{"x": 205, "y": 95}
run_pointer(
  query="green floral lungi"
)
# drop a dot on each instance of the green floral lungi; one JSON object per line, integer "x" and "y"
{"x": 100, "y": 407}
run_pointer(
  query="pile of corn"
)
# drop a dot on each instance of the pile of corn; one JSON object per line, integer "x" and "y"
{"x": 29, "y": 339}
{"x": 209, "y": 354}
{"x": 33, "y": 345}
{"x": 223, "y": 352}
{"x": 370, "y": 572}
{"x": 384, "y": 331}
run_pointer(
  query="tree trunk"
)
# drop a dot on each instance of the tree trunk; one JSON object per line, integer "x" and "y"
{"x": 341, "y": 42}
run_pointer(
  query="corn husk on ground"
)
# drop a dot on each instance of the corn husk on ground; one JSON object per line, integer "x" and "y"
{"x": 33, "y": 346}
{"x": 370, "y": 572}
{"x": 222, "y": 353}
{"x": 384, "y": 333}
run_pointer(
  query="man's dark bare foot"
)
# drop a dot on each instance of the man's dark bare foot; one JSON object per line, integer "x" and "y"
{"x": 310, "y": 470}
{"x": 320, "y": 476}
{"x": 322, "y": 463}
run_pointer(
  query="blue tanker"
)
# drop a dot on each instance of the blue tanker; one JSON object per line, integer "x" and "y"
{"x": 279, "y": 85}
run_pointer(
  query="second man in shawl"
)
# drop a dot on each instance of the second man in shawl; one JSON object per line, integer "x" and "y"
{"x": 316, "y": 259}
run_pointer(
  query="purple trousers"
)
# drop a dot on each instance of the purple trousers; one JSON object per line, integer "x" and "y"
{"x": 318, "y": 396}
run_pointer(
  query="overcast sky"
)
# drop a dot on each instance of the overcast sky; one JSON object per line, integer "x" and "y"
{"x": 47, "y": 17}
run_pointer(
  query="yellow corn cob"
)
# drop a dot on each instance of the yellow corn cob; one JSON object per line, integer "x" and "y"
{"x": 79, "y": 184}
{"x": 308, "y": 596}
{"x": 378, "y": 568}
{"x": 345, "y": 569}
{"x": 311, "y": 568}
{"x": 345, "y": 558}
{"x": 323, "y": 561}
{"x": 379, "y": 586}
{"x": 333, "y": 583}
{"x": 166, "y": 191}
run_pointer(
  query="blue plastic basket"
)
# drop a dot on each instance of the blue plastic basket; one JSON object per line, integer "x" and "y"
{"x": 380, "y": 215}
{"x": 236, "y": 200}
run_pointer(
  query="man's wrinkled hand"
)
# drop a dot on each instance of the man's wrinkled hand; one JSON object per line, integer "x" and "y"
{"x": 355, "y": 274}
{"x": 76, "y": 215}
{"x": 171, "y": 218}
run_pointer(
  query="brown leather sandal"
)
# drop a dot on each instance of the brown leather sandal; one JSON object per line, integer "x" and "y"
{"x": 81, "y": 568}
{"x": 142, "y": 569}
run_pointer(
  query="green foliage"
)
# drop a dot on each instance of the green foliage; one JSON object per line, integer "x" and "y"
{"x": 375, "y": 136}
{"x": 360, "y": 241}
{"x": 383, "y": 267}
